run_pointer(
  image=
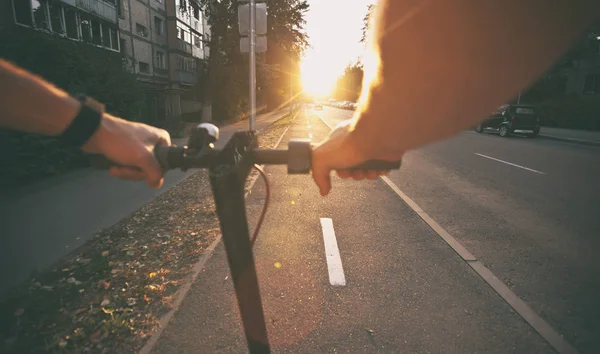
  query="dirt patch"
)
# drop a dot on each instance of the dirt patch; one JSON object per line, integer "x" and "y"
{"x": 107, "y": 296}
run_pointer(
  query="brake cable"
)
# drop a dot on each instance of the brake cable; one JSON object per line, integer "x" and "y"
{"x": 265, "y": 206}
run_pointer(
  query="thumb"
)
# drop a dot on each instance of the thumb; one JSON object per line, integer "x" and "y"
{"x": 321, "y": 175}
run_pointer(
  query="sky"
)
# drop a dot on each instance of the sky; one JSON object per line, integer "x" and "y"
{"x": 334, "y": 30}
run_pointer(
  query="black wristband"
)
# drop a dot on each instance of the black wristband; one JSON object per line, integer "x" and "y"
{"x": 85, "y": 123}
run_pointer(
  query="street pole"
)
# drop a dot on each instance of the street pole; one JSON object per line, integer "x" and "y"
{"x": 291, "y": 90}
{"x": 252, "y": 64}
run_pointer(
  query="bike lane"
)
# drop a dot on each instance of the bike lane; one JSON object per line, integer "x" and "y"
{"x": 405, "y": 289}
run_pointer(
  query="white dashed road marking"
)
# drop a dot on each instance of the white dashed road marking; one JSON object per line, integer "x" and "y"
{"x": 510, "y": 163}
{"x": 550, "y": 335}
{"x": 332, "y": 253}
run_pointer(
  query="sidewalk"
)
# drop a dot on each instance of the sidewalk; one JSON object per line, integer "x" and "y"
{"x": 44, "y": 221}
{"x": 570, "y": 135}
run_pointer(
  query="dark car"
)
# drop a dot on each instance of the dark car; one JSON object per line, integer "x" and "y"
{"x": 319, "y": 106}
{"x": 511, "y": 117}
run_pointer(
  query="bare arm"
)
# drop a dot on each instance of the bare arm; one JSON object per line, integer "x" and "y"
{"x": 442, "y": 66}
{"x": 446, "y": 64}
{"x": 30, "y": 104}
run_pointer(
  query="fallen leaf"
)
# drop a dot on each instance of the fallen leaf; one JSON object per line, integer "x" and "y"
{"x": 19, "y": 312}
{"x": 105, "y": 302}
{"x": 71, "y": 280}
{"x": 62, "y": 343}
{"x": 105, "y": 254}
{"x": 79, "y": 311}
{"x": 152, "y": 275}
{"x": 131, "y": 301}
{"x": 47, "y": 288}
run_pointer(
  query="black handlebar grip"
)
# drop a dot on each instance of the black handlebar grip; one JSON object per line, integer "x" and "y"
{"x": 376, "y": 165}
{"x": 161, "y": 153}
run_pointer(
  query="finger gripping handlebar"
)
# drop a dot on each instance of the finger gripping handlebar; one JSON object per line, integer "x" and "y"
{"x": 298, "y": 158}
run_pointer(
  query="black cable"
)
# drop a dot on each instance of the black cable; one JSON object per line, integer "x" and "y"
{"x": 264, "y": 211}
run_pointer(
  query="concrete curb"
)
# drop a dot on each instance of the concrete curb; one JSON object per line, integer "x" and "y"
{"x": 570, "y": 140}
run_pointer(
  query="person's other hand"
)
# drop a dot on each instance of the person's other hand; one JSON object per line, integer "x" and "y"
{"x": 339, "y": 152}
{"x": 131, "y": 146}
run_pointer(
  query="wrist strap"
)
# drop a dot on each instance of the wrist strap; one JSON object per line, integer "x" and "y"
{"x": 85, "y": 123}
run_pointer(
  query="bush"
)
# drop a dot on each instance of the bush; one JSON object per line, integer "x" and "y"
{"x": 76, "y": 68}
{"x": 572, "y": 112}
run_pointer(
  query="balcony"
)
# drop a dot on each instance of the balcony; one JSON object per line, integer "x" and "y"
{"x": 197, "y": 52}
{"x": 184, "y": 46}
{"x": 186, "y": 77}
{"x": 99, "y": 8}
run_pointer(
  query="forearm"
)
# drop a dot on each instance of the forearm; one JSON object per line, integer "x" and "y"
{"x": 446, "y": 64}
{"x": 32, "y": 105}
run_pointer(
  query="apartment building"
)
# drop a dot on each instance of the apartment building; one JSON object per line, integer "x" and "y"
{"x": 90, "y": 21}
{"x": 188, "y": 32}
{"x": 143, "y": 43}
{"x": 161, "y": 41}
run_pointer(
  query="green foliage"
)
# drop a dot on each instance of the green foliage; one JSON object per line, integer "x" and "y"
{"x": 366, "y": 20}
{"x": 572, "y": 112}
{"x": 227, "y": 68}
{"x": 349, "y": 84}
{"x": 76, "y": 68}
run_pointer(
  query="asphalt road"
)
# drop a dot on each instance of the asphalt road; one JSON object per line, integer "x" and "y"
{"x": 538, "y": 232}
{"x": 47, "y": 220}
{"x": 526, "y": 209}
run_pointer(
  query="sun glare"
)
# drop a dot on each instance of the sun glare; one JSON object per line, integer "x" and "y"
{"x": 318, "y": 75}
{"x": 334, "y": 42}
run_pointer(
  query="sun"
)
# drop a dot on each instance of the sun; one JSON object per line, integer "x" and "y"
{"x": 319, "y": 73}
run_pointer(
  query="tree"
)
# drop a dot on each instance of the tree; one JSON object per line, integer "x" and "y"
{"x": 349, "y": 84}
{"x": 226, "y": 72}
{"x": 366, "y": 20}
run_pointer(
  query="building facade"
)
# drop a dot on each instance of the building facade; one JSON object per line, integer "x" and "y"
{"x": 91, "y": 21}
{"x": 188, "y": 32}
{"x": 161, "y": 41}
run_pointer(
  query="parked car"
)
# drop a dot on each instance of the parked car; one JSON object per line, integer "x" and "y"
{"x": 319, "y": 106}
{"x": 510, "y": 117}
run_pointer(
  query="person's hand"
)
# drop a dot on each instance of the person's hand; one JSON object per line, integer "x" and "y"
{"x": 338, "y": 152}
{"x": 131, "y": 146}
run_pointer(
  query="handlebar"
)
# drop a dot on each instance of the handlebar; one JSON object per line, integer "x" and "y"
{"x": 200, "y": 153}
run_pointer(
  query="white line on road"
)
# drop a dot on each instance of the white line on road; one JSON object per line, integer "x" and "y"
{"x": 510, "y": 163}
{"x": 550, "y": 335}
{"x": 527, "y": 313}
{"x": 332, "y": 253}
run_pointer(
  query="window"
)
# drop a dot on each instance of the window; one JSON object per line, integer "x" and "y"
{"x": 86, "y": 27}
{"x": 160, "y": 59}
{"x": 114, "y": 39}
{"x": 56, "y": 18}
{"x": 40, "y": 13}
{"x": 197, "y": 41}
{"x": 196, "y": 11}
{"x": 159, "y": 28}
{"x": 96, "y": 36}
{"x": 141, "y": 30}
{"x": 144, "y": 67}
{"x": 23, "y": 12}
{"x": 71, "y": 23}
{"x": 105, "y": 36}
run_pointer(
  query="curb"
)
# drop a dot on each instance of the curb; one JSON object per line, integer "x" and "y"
{"x": 570, "y": 140}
